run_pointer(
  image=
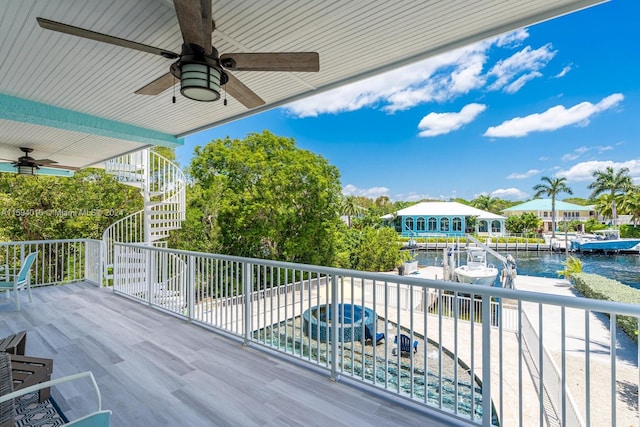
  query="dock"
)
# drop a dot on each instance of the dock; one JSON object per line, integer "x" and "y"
{"x": 600, "y": 363}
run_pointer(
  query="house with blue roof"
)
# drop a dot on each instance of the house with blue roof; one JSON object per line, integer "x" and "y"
{"x": 542, "y": 209}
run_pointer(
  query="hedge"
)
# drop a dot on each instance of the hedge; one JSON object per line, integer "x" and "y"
{"x": 598, "y": 287}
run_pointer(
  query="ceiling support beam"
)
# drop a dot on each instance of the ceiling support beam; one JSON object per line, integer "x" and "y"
{"x": 25, "y": 111}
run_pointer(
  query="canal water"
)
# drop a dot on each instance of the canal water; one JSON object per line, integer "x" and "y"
{"x": 623, "y": 268}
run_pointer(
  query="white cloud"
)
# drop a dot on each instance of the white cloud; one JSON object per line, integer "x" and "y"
{"x": 512, "y": 73}
{"x": 372, "y": 193}
{"x": 511, "y": 39}
{"x": 582, "y": 150}
{"x": 527, "y": 174}
{"x": 554, "y": 118}
{"x": 564, "y": 72}
{"x": 441, "y": 123}
{"x": 574, "y": 154}
{"x": 584, "y": 171}
{"x": 436, "y": 79}
{"x": 517, "y": 84}
{"x": 509, "y": 194}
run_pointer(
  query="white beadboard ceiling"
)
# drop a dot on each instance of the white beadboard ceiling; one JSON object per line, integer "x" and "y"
{"x": 355, "y": 39}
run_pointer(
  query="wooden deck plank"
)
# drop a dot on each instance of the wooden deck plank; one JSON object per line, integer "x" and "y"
{"x": 158, "y": 370}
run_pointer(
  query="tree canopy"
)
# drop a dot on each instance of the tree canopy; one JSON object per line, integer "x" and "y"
{"x": 47, "y": 207}
{"x": 275, "y": 201}
{"x": 613, "y": 183}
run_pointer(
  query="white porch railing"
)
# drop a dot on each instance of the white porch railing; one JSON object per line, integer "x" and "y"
{"x": 59, "y": 261}
{"x": 471, "y": 362}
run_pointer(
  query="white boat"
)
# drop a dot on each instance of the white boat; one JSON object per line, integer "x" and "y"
{"x": 476, "y": 271}
{"x": 604, "y": 241}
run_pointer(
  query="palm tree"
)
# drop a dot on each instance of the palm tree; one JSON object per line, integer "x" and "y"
{"x": 551, "y": 187}
{"x": 484, "y": 202}
{"x": 630, "y": 204}
{"x": 349, "y": 208}
{"x": 611, "y": 182}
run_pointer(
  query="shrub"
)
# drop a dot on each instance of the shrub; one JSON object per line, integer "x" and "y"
{"x": 598, "y": 287}
{"x": 572, "y": 266}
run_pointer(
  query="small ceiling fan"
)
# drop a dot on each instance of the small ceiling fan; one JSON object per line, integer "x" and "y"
{"x": 199, "y": 68}
{"x": 27, "y": 165}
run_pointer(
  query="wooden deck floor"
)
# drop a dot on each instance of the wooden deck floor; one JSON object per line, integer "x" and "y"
{"x": 156, "y": 370}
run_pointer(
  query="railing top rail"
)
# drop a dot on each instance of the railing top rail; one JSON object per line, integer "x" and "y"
{"x": 514, "y": 294}
{"x": 38, "y": 242}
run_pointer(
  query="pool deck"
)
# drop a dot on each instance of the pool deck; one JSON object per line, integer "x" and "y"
{"x": 626, "y": 363}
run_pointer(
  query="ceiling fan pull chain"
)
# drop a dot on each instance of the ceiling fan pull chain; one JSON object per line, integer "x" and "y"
{"x": 225, "y": 95}
{"x": 174, "y": 89}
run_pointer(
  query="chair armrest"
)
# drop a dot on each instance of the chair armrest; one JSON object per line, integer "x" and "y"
{"x": 36, "y": 387}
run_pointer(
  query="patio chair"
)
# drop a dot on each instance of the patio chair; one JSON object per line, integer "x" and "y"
{"x": 98, "y": 418}
{"x": 368, "y": 336}
{"x": 21, "y": 280}
{"x": 7, "y": 409}
{"x": 14, "y": 343}
{"x": 405, "y": 345}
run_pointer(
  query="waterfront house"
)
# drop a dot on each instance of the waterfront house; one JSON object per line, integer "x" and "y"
{"x": 542, "y": 209}
{"x": 429, "y": 219}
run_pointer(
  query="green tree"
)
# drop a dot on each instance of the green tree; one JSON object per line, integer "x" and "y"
{"x": 350, "y": 207}
{"x": 47, "y": 207}
{"x": 551, "y": 187}
{"x": 613, "y": 183}
{"x": 484, "y": 202}
{"x": 276, "y": 201}
{"x": 526, "y": 223}
{"x": 631, "y": 204}
{"x": 200, "y": 230}
{"x": 371, "y": 249}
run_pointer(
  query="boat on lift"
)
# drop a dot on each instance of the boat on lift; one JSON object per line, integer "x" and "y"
{"x": 477, "y": 271}
{"x": 607, "y": 241}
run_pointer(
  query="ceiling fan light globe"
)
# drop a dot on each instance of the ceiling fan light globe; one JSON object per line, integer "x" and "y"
{"x": 200, "y": 82}
{"x": 26, "y": 169}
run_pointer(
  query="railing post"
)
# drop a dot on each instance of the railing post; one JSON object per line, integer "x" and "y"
{"x": 247, "y": 291}
{"x": 191, "y": 286}
{"x": 116, "y": 275}
{"x": 148, "y": 274}
{"x": 334, "y": 329}
{"x": 486, "y": 360}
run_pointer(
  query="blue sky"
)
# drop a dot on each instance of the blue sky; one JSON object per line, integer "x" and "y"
{"x": 558, "y": 99}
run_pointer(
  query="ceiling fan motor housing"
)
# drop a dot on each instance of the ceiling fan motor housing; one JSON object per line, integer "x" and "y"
{"x": 200, "y": 77}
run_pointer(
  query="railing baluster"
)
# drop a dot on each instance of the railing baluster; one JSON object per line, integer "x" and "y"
{"x": 612, "y": 346}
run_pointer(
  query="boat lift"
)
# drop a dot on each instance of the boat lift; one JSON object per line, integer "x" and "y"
{"x": 509, "y": 263}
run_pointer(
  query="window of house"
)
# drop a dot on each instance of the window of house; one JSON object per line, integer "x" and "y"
{"x": 433, "y": 224}
{"x": 408, "y": 223}
{"x": 483, "y": 227}
{"x": 457, "y": 224}
{"x": 495, "y": 226}
{"x": 420, "y": 224}
{"x": 444, "y": 224}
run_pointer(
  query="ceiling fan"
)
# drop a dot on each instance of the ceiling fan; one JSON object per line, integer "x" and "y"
{"x": 27, "y": 165}
{"x": 199, "y": 68}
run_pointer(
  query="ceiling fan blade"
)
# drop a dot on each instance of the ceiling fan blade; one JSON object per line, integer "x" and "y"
{"x": 158, "y": 86}
{"x": 191, "y": 14}
{"x": 71, "y": 168}
{"x": 283, "y": 61}
{"x": 242, "y": 93}
{"x": 207, "y": 25}
{"x": 42, "y": 162}
{"x": 105, "y": 38}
